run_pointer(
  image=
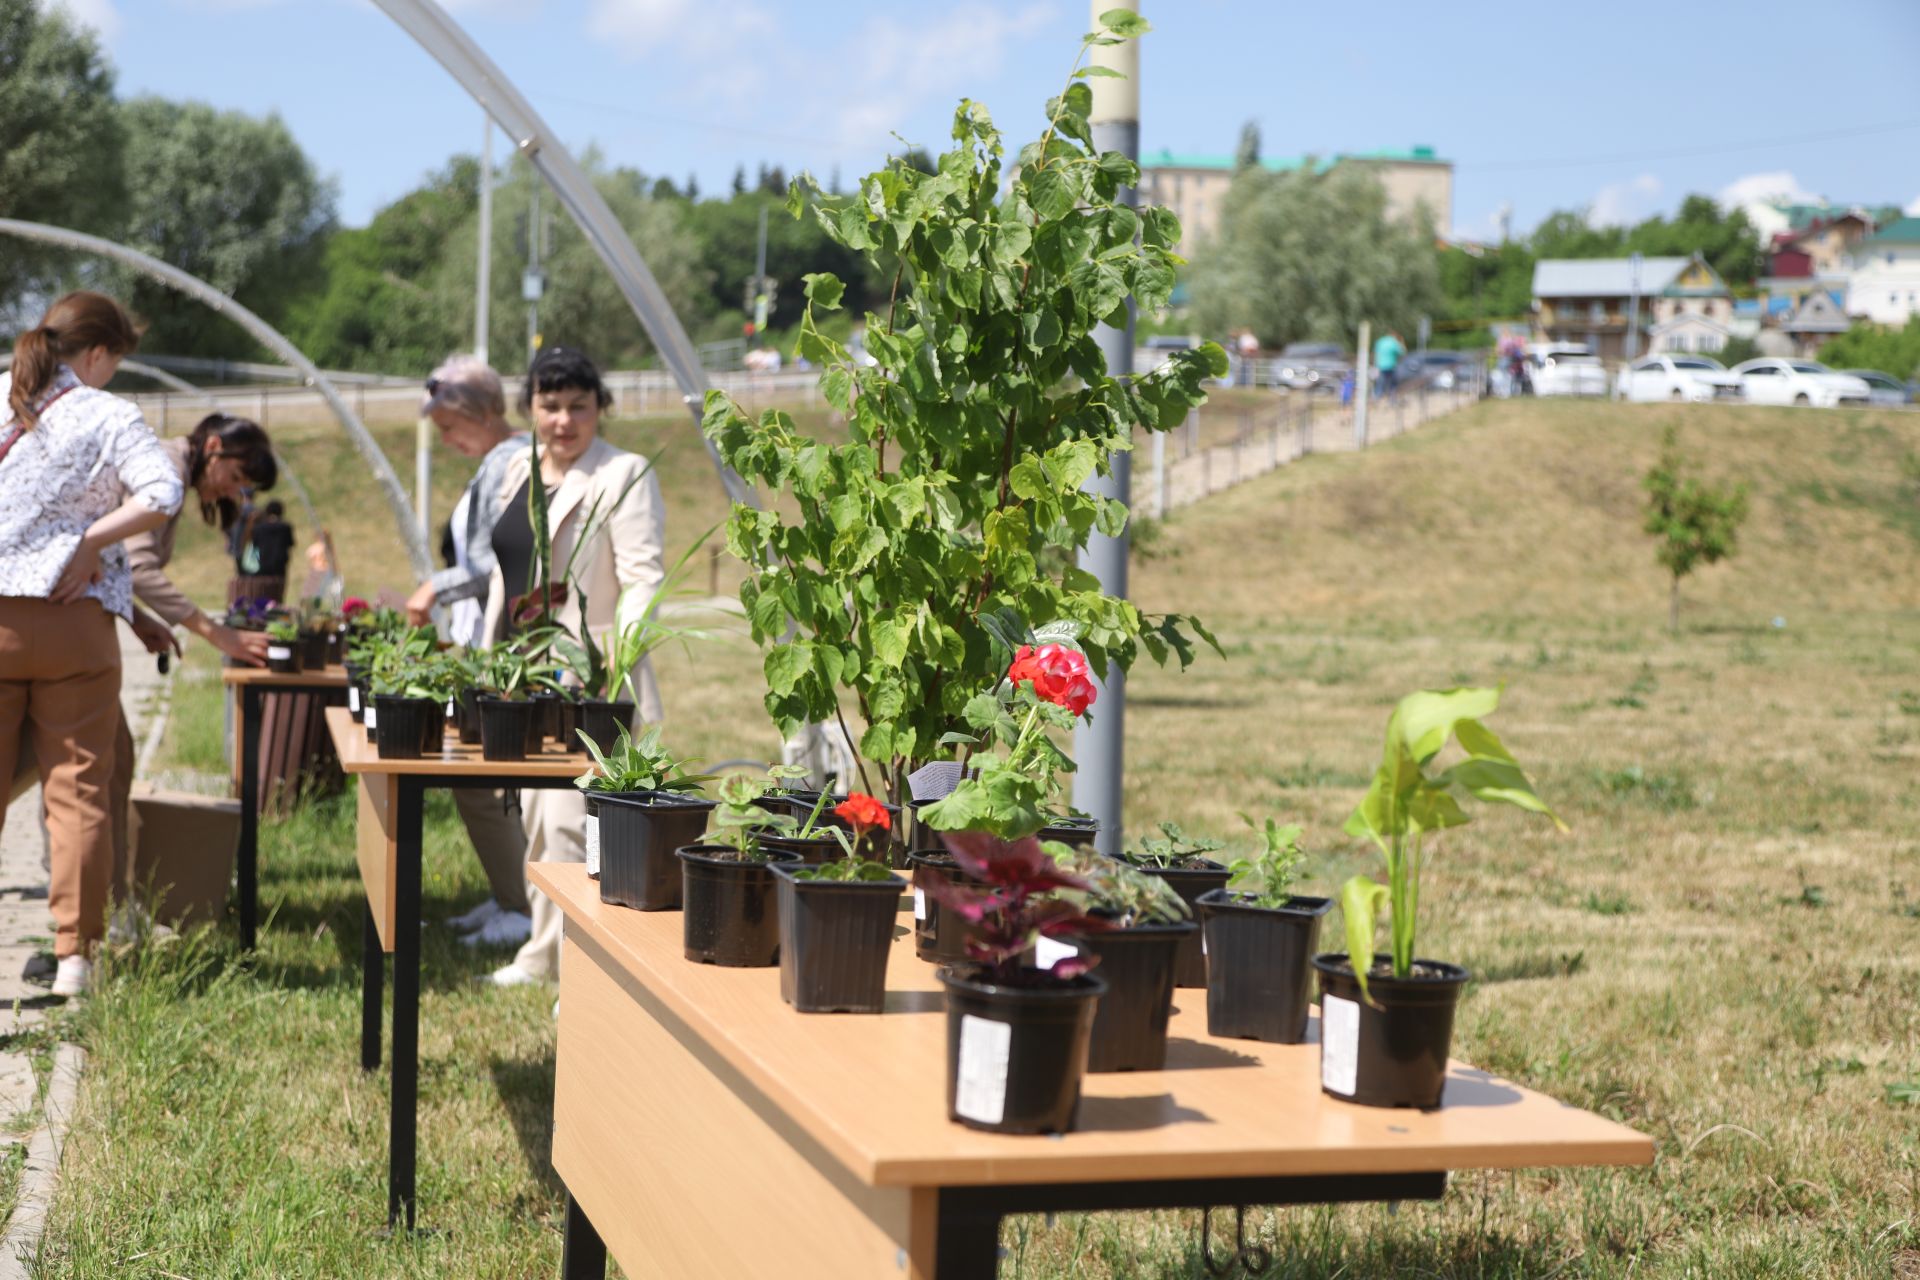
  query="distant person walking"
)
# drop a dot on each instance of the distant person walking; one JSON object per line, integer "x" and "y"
{"x": 80, "y": 472}
{"x": 266, "y": 548}
{"x": 1387, "y": 350}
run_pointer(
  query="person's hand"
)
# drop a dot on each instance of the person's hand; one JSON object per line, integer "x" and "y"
{"x": 246, "y": 647}
{"x": 81, "y": 572}
{"x": 156, "y": 635}
{"x": 419, "y": 605}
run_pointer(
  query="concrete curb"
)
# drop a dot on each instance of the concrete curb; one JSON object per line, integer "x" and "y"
{"x": 41, "y": 1174}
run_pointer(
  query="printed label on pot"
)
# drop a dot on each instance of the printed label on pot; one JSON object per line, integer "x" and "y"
{"x": 1047, "y": 952}
{"x": 1339, "y": 1045}
{"x": 371, "y": 716}
{"x": 278, "y": 653}
{"x": 353, "y": 697}
{"x": 934, "y": 780}
{"x": 919, "y": 904}
{"x": 981, "y": 1090}
{"x": 593, "y": 844}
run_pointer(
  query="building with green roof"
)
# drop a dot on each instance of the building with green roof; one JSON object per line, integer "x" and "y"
{"x": 1194, "y": 185}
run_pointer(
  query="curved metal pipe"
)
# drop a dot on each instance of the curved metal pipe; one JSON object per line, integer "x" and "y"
{"x": 266, "y": 335}
{"x": 442, "y": 37}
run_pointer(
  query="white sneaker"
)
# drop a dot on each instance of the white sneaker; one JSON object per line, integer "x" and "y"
{"x": 505, "y": 929}
{"x": 75, "y": 976}
{"x": 511, "y": 976}
{"x": 475, "y": 918}
{"x": 131, "y": 925}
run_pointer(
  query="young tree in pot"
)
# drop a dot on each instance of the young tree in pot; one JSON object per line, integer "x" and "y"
{"x": 1146, "y": 923}
{"x": 956, "y": 499}
{"x": 641, "y": 809}
{"x": 1181, "y": 860}
{"x": 1261, "y": 938}
{"x": 285, "y": 649}
{"x": 727, "y": 894}
{"x": 836, "y": 918}
{"x": 1386, "y": 1019}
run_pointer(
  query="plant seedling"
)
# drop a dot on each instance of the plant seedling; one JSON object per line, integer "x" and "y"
{"x": 738, "y": 820}
{"x": 1172, "y": 848}
{"x": 1121, "y": 894}
{"x": 1016, "y": 900}
{"x": 638, "y": 764}
{"x": 866, "y": 815}
{"x": 1266, "y": 879}
{"x": 1405, "y": 804}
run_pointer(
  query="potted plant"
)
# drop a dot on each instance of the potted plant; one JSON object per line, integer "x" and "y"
{"x": 1261, "y": 938}
{"x": 1181, "y": 860}
{"x": 836, "y": 918}
{"x": 640, "y": 810}
{"x": 410, "y": 706}
{"x": 909, "y": 554}
{"x": 317, "y": 628}
{"x": 1386, "y": 1018}
{"x": 727, "y": 894}
{"x": 1145, "y": 924}
{"x": 284, "y": 648}
{"x": 510, "y": 729}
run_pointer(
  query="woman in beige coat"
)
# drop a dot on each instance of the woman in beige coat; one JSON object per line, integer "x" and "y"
{"x": 612, "y": 498}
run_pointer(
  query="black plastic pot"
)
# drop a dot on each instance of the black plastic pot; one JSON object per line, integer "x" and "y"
{"x": 835, "y": 937}
{"x": 1394, "y": 1055}
{"x": 639, "y": 833}
{"x": 313, "y": 650}
{"x": 336, "y": 645}
{"x": 728, "y": 905}
{"x": 284, "y": 656}
{"x": 815, "y": 849}
{"x": 1016, "y": 1055}
{"x": 1190, "y": 883}
{"x": 1071, "y": 831}
{"x": 504, "y": 729}
{"x": 1259, "y": 966}
{"x": 939, "y": 934}
{"x": 433, "y": 735}
{"x": 1130, "y": 1027}
{"x": 539, "y": 716}
{"x": 401, "y": 725}
{"x": 466, "y": 718}
{"x": 600, "y": 721}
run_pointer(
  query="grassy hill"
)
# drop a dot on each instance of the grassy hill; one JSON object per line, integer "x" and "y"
{"x": 1724, "y": 951}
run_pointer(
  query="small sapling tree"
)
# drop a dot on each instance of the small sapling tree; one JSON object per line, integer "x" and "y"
{"x": 1692, "y": 522}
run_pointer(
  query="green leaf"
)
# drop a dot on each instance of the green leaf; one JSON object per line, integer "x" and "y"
{"x": 889, "y": 641}
{"x": 1124, "y": 23}
{"x": 1050, "y": 195}
{"x": 786, "y": 664}
{"x": 824, "y": 289}
{"x": 1360, "y": 902}
{"x": 1097, "y": 72}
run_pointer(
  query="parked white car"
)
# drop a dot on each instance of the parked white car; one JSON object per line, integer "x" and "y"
{"x": 1882, "y": 388}
{"x": 1667, "y": 377}
{"x": 1801, "y": 382}
{"x": 1570, "y": 375}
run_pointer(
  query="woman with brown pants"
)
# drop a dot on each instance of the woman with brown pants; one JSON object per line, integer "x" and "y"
{"x": 80, "y": 473}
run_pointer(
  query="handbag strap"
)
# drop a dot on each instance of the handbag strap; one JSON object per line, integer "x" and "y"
{"x": 6, "y": 446}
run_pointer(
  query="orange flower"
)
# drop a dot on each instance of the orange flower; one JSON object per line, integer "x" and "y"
{"x": 864, "y": 813}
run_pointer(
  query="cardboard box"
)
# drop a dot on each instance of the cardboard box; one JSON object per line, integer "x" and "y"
{"x": 183, "y": 853}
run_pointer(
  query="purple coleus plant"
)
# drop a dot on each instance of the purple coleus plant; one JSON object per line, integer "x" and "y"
{"x": 1013, "y": 903}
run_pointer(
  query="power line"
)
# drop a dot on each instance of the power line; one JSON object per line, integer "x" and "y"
{"x": 1683, "y": 152}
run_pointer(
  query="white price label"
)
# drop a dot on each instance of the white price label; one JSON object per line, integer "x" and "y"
{"x": 353, "y": 697}
{"x": 1339, "y": 1045}
{"x": 919, "y": 904}
{"x": 371, "y": 716}
{"x": 593, "y": 844}
{"x": 980, "y": 1093}
{"x": 1047, "y": 952}
{"x": 278, "y": 653}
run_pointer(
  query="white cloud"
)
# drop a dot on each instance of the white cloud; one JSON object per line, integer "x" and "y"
{"x": 101, "y": 15}
{"x": 1756, "y": 193}
{"x": 639, "y": 28}
{"x": 1913, "y": 208}
{"x": 904, "y": 64}
{"x": 1621, "y": 203}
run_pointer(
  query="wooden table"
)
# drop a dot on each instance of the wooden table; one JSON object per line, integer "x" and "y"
{"x": 391, "y": 797}
{"x": 252, "y": 685}
{"x": 704, "y": 1128}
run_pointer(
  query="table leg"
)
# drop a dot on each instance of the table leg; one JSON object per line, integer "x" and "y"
{"x": 583, "y": 1255}
{"x": 406, "y": 1001}
{"x": 251, "y": 702}
{"x": 966, "y": 1243}
{"x": 373, "y": 964}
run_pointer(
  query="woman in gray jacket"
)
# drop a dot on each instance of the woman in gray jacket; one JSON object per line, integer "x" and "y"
{"x": 465, "y": 401}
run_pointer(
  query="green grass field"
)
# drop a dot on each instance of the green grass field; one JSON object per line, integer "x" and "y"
{"x": 1724, "y": 952}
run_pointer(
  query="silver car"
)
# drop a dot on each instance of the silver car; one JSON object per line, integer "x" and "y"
{"x": 1883, "y": 388}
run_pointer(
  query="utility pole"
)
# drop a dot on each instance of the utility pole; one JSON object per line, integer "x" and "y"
{"x": 534, "y": 283}
{"x": 483, "y": 269}
{"x": 1362, "y": 383}
{"x": 760, "y": 281}
{"x": 1100, "y": 747}
{"x": 1633, "y": 306}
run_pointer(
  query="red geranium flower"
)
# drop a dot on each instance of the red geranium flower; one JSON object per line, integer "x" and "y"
{"x": 864, "y": 813}
{"x": 352, "y": 605}
{"x": 1058, "y": 675}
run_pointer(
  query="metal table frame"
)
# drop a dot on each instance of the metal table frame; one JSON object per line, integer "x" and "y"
{"x": 252, "y": 698}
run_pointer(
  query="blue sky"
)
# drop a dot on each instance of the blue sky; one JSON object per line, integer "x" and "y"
{"x": 1622, "y": 107}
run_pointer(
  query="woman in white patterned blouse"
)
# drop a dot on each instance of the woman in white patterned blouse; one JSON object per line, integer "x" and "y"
{"x": 79, "y": 473}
